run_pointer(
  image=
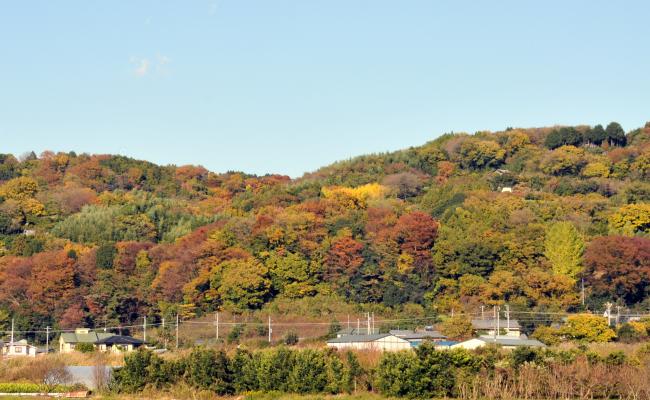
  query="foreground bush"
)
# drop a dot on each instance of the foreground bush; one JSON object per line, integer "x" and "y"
{"x": 279, "y": 369}
{"x": 425, "y": 373}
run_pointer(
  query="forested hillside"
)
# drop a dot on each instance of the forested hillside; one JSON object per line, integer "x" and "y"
{"x": 519, "y": 216}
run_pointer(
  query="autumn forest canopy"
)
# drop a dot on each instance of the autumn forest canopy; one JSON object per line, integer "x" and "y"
{"x": 521, "y": 216}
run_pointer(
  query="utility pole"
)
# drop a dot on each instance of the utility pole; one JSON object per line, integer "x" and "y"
{"x": 164, "y": 332}
{"x": 47, "y": 340}
{"x": 494, "y": 322}
{"x": 498, "y": 320}
{"x": 368, "y": 324}
{"x": 12, "y": 331}
{"x": 270, "y": 329}
{"x": 482, "y": 312}
{"x": 609, "y": 313}
{"x": 373, "y": 323}
{"x": 177, "y": 331}
{"x": 144, "y": 329}
{"x": 618, "y": 315}
{"x": 216, "y": 323}
{"x": 508, "y": 317}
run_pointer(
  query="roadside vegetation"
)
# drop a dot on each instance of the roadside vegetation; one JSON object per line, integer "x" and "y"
{"x": 578, "y": 372}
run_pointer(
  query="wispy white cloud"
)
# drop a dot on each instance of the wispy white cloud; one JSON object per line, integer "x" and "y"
{"x": 143, "y": 66}
{"x": 162, "y": 63}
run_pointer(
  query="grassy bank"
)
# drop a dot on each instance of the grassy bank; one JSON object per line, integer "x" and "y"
{"x": 202, "y": 395}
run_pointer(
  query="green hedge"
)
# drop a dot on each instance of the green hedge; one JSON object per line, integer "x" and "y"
{"x": 279, "y": 369}
{"x": 20, "y": 387}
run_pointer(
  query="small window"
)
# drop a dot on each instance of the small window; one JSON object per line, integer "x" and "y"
{"x": 18, "y": 349}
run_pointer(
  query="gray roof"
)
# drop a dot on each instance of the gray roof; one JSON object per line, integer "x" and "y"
{"x": 358, "y": 338}
{"x": 512, "y": 341}
{"x": 487, "y": 324}
{"x": 90, "y": 337}
{"x": 355, "y": 331}
{"x": 408, "y": 334}
{"x": 117, "y": 339}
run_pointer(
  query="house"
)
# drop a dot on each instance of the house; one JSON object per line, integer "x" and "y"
{"x": 19, "y": 348}
{"x": 69, "y": 340}
{"x": 507, "y": 342}
{"x": 118, "y": 344}
{"x": 417, "y": 337}
{"x": 382, "y": 342}
{"x": 488, "y": 326}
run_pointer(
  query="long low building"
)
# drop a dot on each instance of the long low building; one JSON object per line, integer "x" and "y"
{"x": 382, "y": 342}
{"x": 506, "y": 342}
{"x": 489, "y": 326}
{"x": 416, "y": 338}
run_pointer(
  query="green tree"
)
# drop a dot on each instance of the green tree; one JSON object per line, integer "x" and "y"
{"x": 291, "y": 274}
{"x": 209, "y": 370}
{"x": 547, "y": 335}
{"x": 134, "y": 375}
{"x": 396, "y": 373}
{"x": 565, "y": 160}
{"x": 105, "y": 255}
{"x": 479, "y": 154}
{"x": 291, "y": 338}
{"x": 308, "y": 373}
{"x": 596, "y": 135}
{"x": 241, "y": 284}
{"x": 615, "y": 134}
{"x": 333, "y": 329}
{"x": 564, "y": 248}
{"x": 565, "y": 136}
{"x": 458, "y": 327}
{"x": 244, "y": 366}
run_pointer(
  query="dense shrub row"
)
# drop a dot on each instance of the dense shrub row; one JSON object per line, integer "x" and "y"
{"x": 279, "y": 369}
{"x": 423, "y": 373}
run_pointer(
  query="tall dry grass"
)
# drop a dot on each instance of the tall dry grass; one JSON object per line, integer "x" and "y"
{"x": 578, "y": 380}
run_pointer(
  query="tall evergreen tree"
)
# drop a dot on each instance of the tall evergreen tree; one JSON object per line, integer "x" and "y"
{"x": 615, "y": 134}
{"x": 596, "y": 135}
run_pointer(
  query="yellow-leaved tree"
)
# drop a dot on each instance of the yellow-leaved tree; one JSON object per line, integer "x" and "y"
{"x": 18, "y": 194}
{"x": 631, "y": 219}
{"x": 587, "y": 328}
{"x": 564, "y": 247}
{"x": 355, "y": 197}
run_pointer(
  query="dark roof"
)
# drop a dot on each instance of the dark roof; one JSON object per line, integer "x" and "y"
{"x": 487, "y": 324}
{"x": 90, "y": 337}
{"x": 358, "y": 338}
{"x": 408, "y": 334}
{"x": 117, "y": 339}
{"x": 355, "y": 331}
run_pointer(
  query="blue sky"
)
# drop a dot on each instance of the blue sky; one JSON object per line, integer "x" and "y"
{"x": 289, "y": 86}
